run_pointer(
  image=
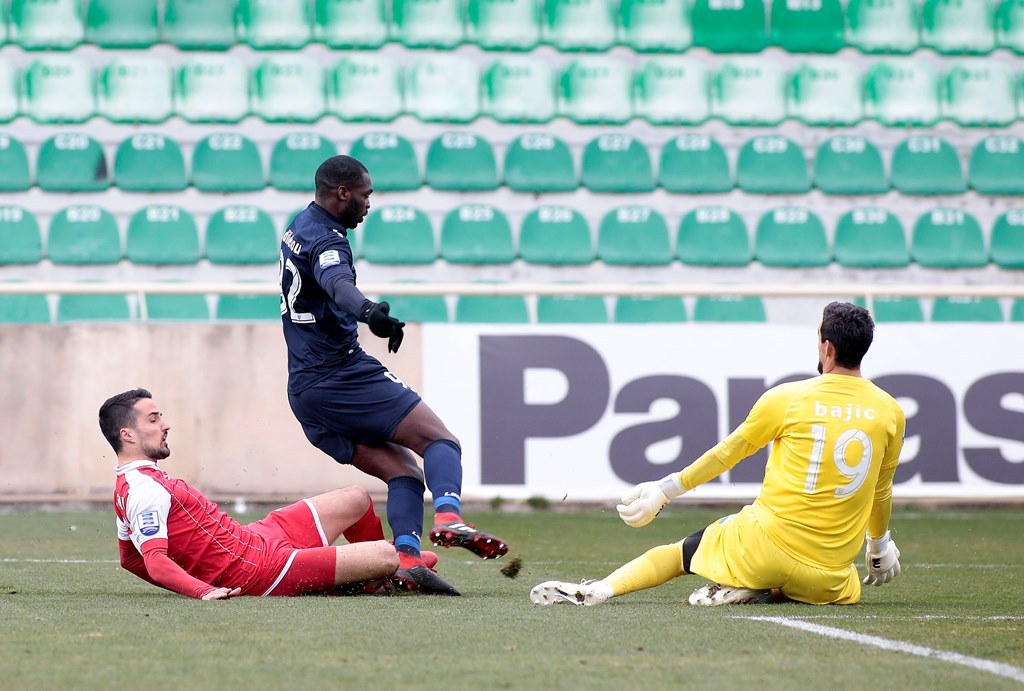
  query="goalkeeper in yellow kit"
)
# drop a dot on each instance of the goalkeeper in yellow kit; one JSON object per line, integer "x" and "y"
{"x": 828, "y": 485}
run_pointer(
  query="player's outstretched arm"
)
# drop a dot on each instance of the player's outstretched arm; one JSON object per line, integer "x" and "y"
{"x": 641, "y": 504}
{"x": 167, "y": 574}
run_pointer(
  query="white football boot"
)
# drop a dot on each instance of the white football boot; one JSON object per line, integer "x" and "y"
{"x": 712, "y": 595}
{"x": 584, "y": 594}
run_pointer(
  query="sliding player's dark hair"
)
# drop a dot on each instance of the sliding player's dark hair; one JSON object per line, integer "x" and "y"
{"x": 338, "y": 171}
{"x": 851, "y": 329}
{"x": 118, "y": 412}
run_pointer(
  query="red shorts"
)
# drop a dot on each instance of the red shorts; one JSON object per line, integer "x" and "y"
{"x": 301, "y": 560}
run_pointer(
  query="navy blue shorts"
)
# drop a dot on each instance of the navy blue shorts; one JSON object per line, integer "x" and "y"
{"x": 359, "y": 403}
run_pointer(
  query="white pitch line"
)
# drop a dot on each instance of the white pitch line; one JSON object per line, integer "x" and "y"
{"x": 998, "y": 668}
{"x": 58, "y": 561}
{"x": 920, "y": 617}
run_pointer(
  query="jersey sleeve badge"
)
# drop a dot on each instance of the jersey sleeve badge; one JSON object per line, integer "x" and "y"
{"x": 329, "y": 258}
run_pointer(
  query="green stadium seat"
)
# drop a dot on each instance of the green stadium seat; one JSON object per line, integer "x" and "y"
{"x": 901, "y": 92}
{"x": 288, "y": 88}
{"x": 476, "y": 234}
{"x": 162, "y": 235}
{"x": 658, "y": 26}
{"x": 503, "y": 24}
{"x": 957, "y": 27}
{"x": 418, "y": 308}
{"x": 391, "y": 160}
{"x": 212, "y": 88}
{"x": 398, "y": 235}
{"x": 461, "y": 161}
{"x": 979, "y": 93}
{"x": 176, "y": 307}
{"x": 72, "y": 162}
{"x": 365, "y": 87}
{"x": 671, "y": 91}
{"x": 749, "y": 91}
{"x": 634, "y": 236}
{"x": 694, "y": 164}
{"x": 826, "y": 91}
{"x": 870, "y": 238}
{"x": 578, "y": 24}
{"x": 772, "y": 165}
{"x": 1017, "y": 310}
{"x": 894, "y": 309}
{"x": 1010, "y": 25}
{"x": 491, "y": 309}
{"x": 199, "y": 24}
{"x": 83, "y": 234}
{"x": 730, "y": 27}
{"x": 20, "y": 241}
{"x": 443, "y": 88}
{"x": 571, "y": 309}
{"x": 556, "y": 235}
{"x": 791, "y": 236}
{"x": 46, "y": 24}
{"x": 616, "y": 163}
{"x": 294, "y": 159}
{"x": 149, "y": 162}
{"x": 241, "y": 235}
{"x": 596, "y": 90}
{"x": 24, "y": 309}
{"x": 849, "y": 164}
{"x": 927, "y": 165}
{"x": 808, "y": 26}
{"x": 81, "y": 307}
{"x": 227, "y": 162}
{"x": 119, "y": 24}
{"x": 135, "y": 89}
{"x": 966, "y": 309}
{"x": 8, "y": 90}
{"x": 346, "y": 24}
{"x": 647, "y": 309}
{"x": 58, "y": 89}
{"x": 1008, "y": 240}
{"x": 728, "y": 308}
{"x": 14, "y": 174}
{"x": 519, "y": 89}
{"x": 947, "y": 238}
{"x": 274, "y": 24}
{"x": 539, "y": 163}
{"x": 242, "y": 307}
{"x": 997, "y": 165}
{"x": 890, "y": 26}
{"x": 427, "y": 23}
{"x": 713, "y": 236}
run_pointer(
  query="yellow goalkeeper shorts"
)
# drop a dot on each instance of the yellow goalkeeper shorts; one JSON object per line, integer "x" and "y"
{"x": 736, "y": 551}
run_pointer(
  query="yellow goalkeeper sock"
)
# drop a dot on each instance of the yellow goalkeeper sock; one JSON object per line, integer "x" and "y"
{"x": 653, "y": 567}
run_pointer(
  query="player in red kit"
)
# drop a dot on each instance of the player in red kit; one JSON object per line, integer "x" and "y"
{"x": 174, "y": 537}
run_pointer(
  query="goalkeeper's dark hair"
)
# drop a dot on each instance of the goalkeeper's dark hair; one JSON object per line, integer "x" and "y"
{"x": 338, "y": 171}
{"x": 851, "y": 329}
{"x": 118, "y": 412}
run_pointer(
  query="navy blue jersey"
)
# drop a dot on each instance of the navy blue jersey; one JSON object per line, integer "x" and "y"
{"x": 315, "y": 254}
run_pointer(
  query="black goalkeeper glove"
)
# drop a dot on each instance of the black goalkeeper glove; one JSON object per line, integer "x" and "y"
{"x": 383, "y": 325}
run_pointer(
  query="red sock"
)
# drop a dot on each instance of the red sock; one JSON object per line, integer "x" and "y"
{"x": 407, "y": 561}
{"x": 366, "y": 529}
{"x": 446, "y": 517}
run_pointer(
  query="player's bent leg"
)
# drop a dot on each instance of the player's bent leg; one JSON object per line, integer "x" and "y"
{"x": 342, "y": 509}
{"x": 364, "y": 561}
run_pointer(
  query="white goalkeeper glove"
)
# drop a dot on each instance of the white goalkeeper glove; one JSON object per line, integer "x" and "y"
{"x": 645, "y": 501}
{"x": 883, "y": 560}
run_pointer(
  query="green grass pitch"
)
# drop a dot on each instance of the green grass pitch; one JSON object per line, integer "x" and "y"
{"x": 71, "y": 618}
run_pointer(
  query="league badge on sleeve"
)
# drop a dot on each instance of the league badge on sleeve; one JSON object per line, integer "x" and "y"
{"x": 329, "y": 258}
{"x": 149, "y": 523}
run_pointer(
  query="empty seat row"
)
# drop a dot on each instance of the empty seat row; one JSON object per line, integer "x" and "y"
{"x": 510, "y": 309}
{"x": 442, "y": 87}
{"x": 733, "y": 26}
{"x": 157, "y": 234}
{"x": 535, "y": 163}
{"x": 631, "y": 235}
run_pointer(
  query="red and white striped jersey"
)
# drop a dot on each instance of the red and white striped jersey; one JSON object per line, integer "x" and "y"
{"x": 203, "y": 540}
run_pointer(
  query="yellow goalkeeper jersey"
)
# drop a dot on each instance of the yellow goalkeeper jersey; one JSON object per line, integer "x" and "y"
{"x": 837, "y": 442}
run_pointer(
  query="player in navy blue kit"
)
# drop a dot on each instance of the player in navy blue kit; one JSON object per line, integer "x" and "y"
{"x": 350, "y": 406}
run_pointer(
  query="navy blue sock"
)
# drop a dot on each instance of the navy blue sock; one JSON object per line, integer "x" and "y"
{"x": 405, "y": 513}
{"x": 442, "y": 466}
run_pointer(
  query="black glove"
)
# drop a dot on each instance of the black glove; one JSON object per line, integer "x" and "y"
{"x": 383, "y": 325}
